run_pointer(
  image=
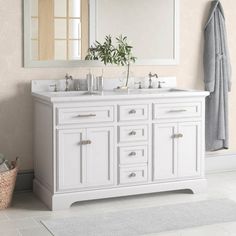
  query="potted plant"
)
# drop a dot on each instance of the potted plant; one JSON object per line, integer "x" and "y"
{"x": 120, "y": 54}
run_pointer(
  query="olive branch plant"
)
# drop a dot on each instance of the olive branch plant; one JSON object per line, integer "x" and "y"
{"x": 120, "y": 54}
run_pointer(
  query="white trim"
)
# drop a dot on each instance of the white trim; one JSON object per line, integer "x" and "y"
{"x": 92, "y": 36}
{"x": 220, "y": 162}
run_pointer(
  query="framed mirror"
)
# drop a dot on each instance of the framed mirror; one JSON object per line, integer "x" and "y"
{"x": 58, "y": 33}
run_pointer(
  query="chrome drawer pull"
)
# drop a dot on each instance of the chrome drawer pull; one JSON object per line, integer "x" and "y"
{"x": 132, "y": 133}
{"x": 132, "y": 175}
{"x": 132, "y": 154}
{"x": 176, "y": 111}
{"x": 85, "y": 142}
{"x": 177, "y": 136}
{"x": 88, "y": 115}
{"x": 132, "y": 111}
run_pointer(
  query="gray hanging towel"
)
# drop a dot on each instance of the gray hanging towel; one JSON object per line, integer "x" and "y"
{"x": 217, "y": 78}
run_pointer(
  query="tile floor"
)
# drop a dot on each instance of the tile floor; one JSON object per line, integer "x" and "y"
{"x": 24, "y": 217}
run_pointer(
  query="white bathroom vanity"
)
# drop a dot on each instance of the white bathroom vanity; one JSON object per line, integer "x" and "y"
{"x": 117, "y": 144}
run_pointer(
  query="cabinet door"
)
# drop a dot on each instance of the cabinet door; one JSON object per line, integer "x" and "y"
{"x": 70, "y": 159}
{"x": 165, "y": 151}
{"x": 100, "y": 154}
{"x": 189, "y": 149}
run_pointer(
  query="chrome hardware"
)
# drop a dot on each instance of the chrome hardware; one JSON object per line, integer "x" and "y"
{"x": 67, "y": 78}
{"x": 85, "y": 142}
{"x": 87, "y": 115}
{"x": 177, "y": 136}
{"x": 174, "y": 136}
{"x": 139, "y": 84}
{"x": 173, "y": 111}
{"x": 132, "y": 111}
{"x": 132, "y": 133}
{"x": 150, "y": 79}
{"x": 53, "y": 86}
{"x": 132, "y": 154}
{"x": 132, "y": 175}
{"x": 160, "y": 82}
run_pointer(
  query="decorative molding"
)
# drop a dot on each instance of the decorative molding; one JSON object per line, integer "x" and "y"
{"x": 220, "y": 162}
{"x": 24, "y": 181}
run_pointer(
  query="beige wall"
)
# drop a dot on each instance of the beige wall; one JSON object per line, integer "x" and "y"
{"x": 15, "y": 99}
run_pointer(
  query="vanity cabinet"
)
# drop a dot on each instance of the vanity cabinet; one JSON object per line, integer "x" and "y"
{"x": 85, "y": 158}
{"x": 93, "y": 147}
{"x": 177, "y": 148}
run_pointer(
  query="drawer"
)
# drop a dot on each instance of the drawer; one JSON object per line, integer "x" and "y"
{"x": 133, "y": 174}
{"x": 133, "y": 155}
{"x": 132, "y": 112}
{"x": 176, "y": 110}
{"x": 133, "y": 133}
{"x": 85, "y": 115}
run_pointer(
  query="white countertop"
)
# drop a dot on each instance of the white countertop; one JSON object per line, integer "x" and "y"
{"x": 77, "y": 96}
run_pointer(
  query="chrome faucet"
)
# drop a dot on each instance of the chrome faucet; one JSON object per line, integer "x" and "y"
{"x": 150, "y": 79}
{"x": 67, "y": 78}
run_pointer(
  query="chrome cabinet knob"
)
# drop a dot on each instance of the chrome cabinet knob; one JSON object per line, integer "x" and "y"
{"x": 132, "y": 175}
{"x": 132, "y": 133}
{"x": 132, "y": 154}
{"x": 132, "y": 111}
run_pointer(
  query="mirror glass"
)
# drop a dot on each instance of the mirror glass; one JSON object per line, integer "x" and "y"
{"x": 59, "y": 32}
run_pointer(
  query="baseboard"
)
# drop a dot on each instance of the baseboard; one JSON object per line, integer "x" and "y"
{"x": 220, "y": 162}
{"x": 24, "y": 181}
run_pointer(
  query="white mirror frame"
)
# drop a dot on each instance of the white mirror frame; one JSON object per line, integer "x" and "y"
{"x": 28, "y": 62}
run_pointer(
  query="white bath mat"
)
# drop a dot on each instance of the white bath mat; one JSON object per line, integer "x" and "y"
{"x": 146, "y": 220}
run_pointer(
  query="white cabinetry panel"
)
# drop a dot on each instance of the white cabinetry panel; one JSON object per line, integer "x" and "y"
{"x": 176, "y": 110}
{"x": 84, "y": 115}
{"x": 71, "y": 158}
{"x": 100, "y": 154}
{"x": 133, "y": 112}
{"x": 133, "y": 133}
{"x": 164, "y": 151}
{"x": 133, "y": 154}
{"x": 133, "y": 174}
{"x": 189, "y": 149}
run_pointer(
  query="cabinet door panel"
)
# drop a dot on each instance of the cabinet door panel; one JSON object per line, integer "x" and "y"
{"x": 70, "y": 159}
{"x": 189, "y": 149}
{"x": 100, "y": 156}
{"x": 164, "y": 151}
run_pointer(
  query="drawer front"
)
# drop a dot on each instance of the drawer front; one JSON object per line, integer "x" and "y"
{"x": 129, "y": 175}
{"x": 133, "y": 133}
{"x": 176, "y": 110}
{"x": 133, "y": 155}
{"x": 85, "y": 115}
{"x": 133, "y": 112}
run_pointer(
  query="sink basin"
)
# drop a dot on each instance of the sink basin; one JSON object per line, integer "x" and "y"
{"x": 73, "y": 93}
{"x": 155, "y": 90}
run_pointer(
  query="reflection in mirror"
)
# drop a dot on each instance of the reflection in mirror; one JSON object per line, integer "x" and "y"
{"x": 59, "y": 29}
{"x": 59, "y": 32}
{"x": 148, "y": 24}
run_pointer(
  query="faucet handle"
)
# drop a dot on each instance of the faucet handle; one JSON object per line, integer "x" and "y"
{"x": 139, "y": 84}
{"x": 160, "y": 82}
{"x": 53, "y": 86}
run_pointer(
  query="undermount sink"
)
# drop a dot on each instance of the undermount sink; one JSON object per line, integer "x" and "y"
{"x": 156, "y": 90}
{"x": 74, "y": 93}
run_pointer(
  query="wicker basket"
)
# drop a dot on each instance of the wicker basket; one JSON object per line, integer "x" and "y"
{"x": 7, "y": 185}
